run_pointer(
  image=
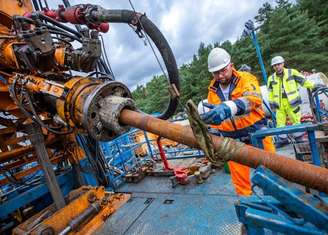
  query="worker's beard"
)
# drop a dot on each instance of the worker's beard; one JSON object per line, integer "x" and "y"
{"x": 280, "y": 72}
{"x": 225, "y": 81}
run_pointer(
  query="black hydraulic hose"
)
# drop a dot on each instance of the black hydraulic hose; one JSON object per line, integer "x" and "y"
{"x": 60, "y": 25}
{"x": 36, "y": 5}
{"x": 105, "y": 67}
{"x": 100, "y": 67}
{"x": 77, "y": 36}
{"x": 131, "y": 17}
{"x": 63, "y": 33}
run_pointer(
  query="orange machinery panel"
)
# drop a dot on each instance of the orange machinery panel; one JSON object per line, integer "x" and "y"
{"x": 15, "y": 7}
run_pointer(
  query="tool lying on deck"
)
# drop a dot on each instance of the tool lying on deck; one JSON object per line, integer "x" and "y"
{"x": 283, "y": 207}
{"x": 198, "y": 172}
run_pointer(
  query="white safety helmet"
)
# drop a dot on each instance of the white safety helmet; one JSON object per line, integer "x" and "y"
{"x": 201, "y": 108}
{"x": 277, "y": 60}
{"x": 218, "y": 59}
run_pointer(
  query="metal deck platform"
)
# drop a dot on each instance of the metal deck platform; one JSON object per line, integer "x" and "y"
{"x": 157, "y": 208}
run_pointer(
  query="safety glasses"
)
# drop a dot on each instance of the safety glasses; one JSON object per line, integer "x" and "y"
{"x": 277, "y": 65}
{"x": 223, "y": 71}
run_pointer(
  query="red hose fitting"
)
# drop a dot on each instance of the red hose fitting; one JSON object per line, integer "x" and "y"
{"x": 76, "y": 15}
{"x": 51, "y": 13}
{"x": 73, "y": 15}
{"x": 102, "y": 27}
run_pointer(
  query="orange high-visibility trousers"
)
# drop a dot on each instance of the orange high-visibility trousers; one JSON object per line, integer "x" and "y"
{"x": 240, "y": 174}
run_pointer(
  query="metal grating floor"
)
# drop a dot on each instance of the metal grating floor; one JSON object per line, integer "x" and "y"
{"x": 157, "y": 208}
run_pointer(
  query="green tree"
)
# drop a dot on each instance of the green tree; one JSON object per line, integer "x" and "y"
{"x": 296, "y": 37}
{"x": 285, "y": 4}
{"x": 297, "y": 32}
{"x": 263, "y": 17}
{"x": 195, "y": 76}
{"x": 154, "y": 97}
{"x": 318, "y": 10}
{"x": 263, "y": 13}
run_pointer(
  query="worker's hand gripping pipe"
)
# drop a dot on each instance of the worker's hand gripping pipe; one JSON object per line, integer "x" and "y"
{"x": 292, "y": 170}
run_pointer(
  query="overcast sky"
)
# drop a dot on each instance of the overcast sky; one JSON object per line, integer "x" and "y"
{"x": 184, "y": 23}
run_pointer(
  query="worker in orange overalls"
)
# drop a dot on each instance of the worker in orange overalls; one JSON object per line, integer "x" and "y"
{"x": 235, "y": 104}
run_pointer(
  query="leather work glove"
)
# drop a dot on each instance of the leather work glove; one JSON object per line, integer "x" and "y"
{"x": 217, "y": 114}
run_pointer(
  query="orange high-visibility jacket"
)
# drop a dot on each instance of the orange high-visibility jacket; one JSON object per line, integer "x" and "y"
{"x": 245, "y": 93}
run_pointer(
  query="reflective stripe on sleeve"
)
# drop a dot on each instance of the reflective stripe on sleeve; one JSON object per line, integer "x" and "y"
{"x": 295, "y": 102}
{"x": 233, "y": 107}
{"x": 243, "y": 106}
{"x": 252, "y": 93}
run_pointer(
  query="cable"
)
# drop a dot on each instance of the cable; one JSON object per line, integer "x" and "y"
{"x": 318, "y": 113}
{"x": 104, "y": 54}
{"x": 40, "y": 4}
{"x": 46, "y": 3}
{"x": 90, "y": 149}
{"x": 105, "y": 75}
{"x": 34, "y": 116}
{"x": 106, "y": 69}
{"x": 106, "y": 57}
{"x": 60, "y": 25}
{"x": 36, "y": 5}
{"x": 64, "y": 34}
{"x": 96, "y": 73}
{"x": 62, "y": 40}
{"x": 143, "y": 23}
{"x": 100, "y": 67}
{"x": 151, "y": 46}
{"x": 40, "y": 122}
{"x": 57, "y": 27}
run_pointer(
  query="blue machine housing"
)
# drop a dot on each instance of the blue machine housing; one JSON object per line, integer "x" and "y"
{"x": 117, "y": 157}
{"x": 34, "y": 193}
{"x": 283, "y": 207}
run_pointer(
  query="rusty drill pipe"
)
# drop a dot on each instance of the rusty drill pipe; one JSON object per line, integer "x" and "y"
{"x": 293, "y": 170}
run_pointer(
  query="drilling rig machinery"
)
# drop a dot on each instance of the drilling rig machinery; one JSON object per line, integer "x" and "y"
{"x": 43, "y": 107}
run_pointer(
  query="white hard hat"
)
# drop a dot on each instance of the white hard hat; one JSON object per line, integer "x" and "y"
{"x": 201, "y": 108}
{"x": 277, "y": 60}
{"x": 218, "y": 59}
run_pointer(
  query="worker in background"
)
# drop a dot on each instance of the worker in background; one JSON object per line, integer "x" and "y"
{"x": 235, "y": 104}
{"x": 245, "y": 68}
{"x": 283, "y": 94}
